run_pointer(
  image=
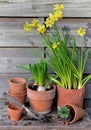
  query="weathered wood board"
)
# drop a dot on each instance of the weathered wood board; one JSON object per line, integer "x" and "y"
{"x": 12, "y": 34}
{"x": 12, "y": 57}
{"x": 41, "y": 8}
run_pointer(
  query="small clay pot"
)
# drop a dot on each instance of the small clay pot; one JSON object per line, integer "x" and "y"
{"x": 76, "y": 112}
{"x": 15, "y": 112}
{"x": 17, "y": 85}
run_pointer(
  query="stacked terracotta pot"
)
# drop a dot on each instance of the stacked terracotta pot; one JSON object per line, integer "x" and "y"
{"x": 17, "y": 89}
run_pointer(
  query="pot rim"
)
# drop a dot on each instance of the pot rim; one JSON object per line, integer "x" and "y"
{"x": 17, "y": 79}
{"x": 54, "y": 88}
{"x": 83, "y": 88}
{"x": 11, "y": 104}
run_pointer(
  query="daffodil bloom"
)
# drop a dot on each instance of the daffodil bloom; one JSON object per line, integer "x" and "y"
{"x": 52, "y": 18}
{"x": 27, "y": 27}
{"x": 58, "y": 7}
{"x": 58, "y": 15}
{"x": 41, "y": 29}
{"x": 48, "y": 23}
{"x": 34, "y": 23}
{"x": 81, "y": 32}
{"x": 54, "y": 46}
{"x": 61, "y": 6}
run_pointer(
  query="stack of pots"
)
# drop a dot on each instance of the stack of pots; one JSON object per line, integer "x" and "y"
{"x": 17, "y": 89}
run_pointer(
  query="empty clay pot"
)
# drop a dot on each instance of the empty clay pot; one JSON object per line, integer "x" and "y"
{"x": 17, "y": 84}
{"x": 15, "y": 112}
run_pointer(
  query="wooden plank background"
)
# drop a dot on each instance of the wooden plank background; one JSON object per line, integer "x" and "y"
{"x": 15, "y": 43}
{"x": 41, "y": 8}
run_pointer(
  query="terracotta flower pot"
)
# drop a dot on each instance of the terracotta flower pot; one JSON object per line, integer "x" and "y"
{"x": 17, "y": 85}
{"x": 41, "y": 102}
{"x": 73, "y": 96}
{"x": 15, "y": 112}
{"x": 77, "y": 113}
{"x": 20, "y": 97}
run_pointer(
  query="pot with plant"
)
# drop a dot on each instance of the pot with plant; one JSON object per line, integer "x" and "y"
{"x": 67, "y": 64}
{"x": 70, "y": 113}
{"x": 65, "y": 114}
{"x": 40, "y": 92}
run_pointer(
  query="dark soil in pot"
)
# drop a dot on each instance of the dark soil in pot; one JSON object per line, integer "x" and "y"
{"x": 35, "y": 87}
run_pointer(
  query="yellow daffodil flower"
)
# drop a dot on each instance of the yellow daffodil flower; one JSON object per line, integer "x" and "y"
{"x": 34, "y": 23}
{"x": 52, "y": 18}
{"x": 58, "y": 15}
{"x": 61, "y": 6}
{"x": 41, "y": 29}
{"x": 48, "y": 23}
{"x": 27, "y": 27}
{"x": 81, "y": 32}
{"x": 58, "y": 7}
{"x": 54, "y": 46}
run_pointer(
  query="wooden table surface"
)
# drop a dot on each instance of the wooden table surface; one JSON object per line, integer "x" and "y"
{"x": 50, "y": 122}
